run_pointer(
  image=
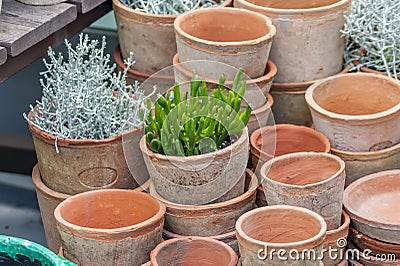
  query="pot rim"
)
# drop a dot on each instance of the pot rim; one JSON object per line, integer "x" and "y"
{"x": 318, "y": 238}
{"x": 333, "y": 235}
{"x": 354, "y": 213}
{"x": 156, "y": 218}
{"x": 263, "y": 108}
{"x": 207, "y": 240}
{"x": 367, "y": 155}
{"x": 259, "y": 132}
{"x": 362, "y": 118}
{"x": 40, "y": 185}
{"x": 370, "y": 70}
{"x": 299, "y": 11}
{"x": 229, "y": 235}
{"x": 268, "y": 164}
{"x": 213, "y": 11}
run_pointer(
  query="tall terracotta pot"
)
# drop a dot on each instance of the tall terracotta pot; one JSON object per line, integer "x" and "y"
{"x": 308, "y": 43}
{"x": 110, "y": 227}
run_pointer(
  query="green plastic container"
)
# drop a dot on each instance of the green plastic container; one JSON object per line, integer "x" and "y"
{"x": 14, "y": 246}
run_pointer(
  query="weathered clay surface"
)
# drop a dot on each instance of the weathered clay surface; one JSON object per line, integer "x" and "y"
{"x": 373, "y": 205}
{"x": 316, "y": 25}
{"x": 239, "y": 38}
{"x": 211, "y": 219}
{"x": 370, "y": 260}
{"x": 279, "y": 227}
{"x": 110, "y": 227}
{"x": 198, "y": 179}
{"x": 307, "y": 179}
{"x": 39, "y": 2}
{"x": 259, "y": 117}
{"x": 347, "y": 109}
{"x": 193, "y": 251}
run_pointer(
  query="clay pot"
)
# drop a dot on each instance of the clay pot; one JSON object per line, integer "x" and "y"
{"x": 279, "y": 227}
{"x": 372, "y": 203}
{"x": 261, "y": 200}
{"x": 110, "y": 227}
{"x": 308, "y": 43}
{"x": 239, "y": 38}
{"x": 256, "y": 89}
{"x": 76, "y": 166}
{"x": 336, "y": 240}
{"x": 365, "y": 258}
{"x": 259, "y": 117}
{"x": 359, "y": 164}
{"x": 211, "y": 219}
{"x": 39, "y": 2}
{"x": 369, "y": 70}
{"x": 193, "y": 251}
{"x": 347, "y": 109}
{"x": 306, "y": 179}
{"x": 199, "y": 179}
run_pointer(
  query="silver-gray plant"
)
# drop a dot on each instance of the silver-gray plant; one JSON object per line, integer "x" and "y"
{"x": 83, "y": 97}
{"x": 372, "y": 33}
{"x": 169, "y": 7}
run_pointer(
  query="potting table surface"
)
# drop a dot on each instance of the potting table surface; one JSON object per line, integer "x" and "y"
{"x": 27, "y": 31}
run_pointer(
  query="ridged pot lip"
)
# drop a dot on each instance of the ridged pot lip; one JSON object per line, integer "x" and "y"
{"x": 267, "y": 165}
{"x": 242, "y": 140}
{"x": 367, "y": 155}
{"x": 41, "y": 186}
{"x": 75, "y": 143}
{"x": 312, "y": 104}
{"x": 302, "y": 11}
{"x": 221, "y": 237}
{"x": 354, "y": 213}
{"x": 265, "y": 107}
{"x": 370, "y": 70}
{"x": 270, "y": 72}
{"x": 341, "y": 232}
{"x": 114, "y": 232}
{"x": 242, "y": 236}
{"x": 212, "y": 12}
{"x": 206, "y": 240}
{"x": 257, "y": 133}
{"x": 251, "y": 191}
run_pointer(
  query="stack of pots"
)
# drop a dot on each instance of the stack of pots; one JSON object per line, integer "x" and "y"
{"x": 307, "y": 47}
{"x": 221, "y": 40}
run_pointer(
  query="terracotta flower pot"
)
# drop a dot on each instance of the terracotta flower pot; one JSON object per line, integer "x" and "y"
{"x": 76, "y": 166}
{"x": 110, "y": 227}
{"x": 150, "y": 37}
{"x": 193, "y": 251}
{"x": 306, "y": 179}
{"x": 347, "y": 109}
{"x": 308, "y": 43}
{"x": 372, "y": 203}
{"x": 256, "y": 89}
{"x": 370, "y": 70}
{"x": 365, "y": 258}
{"x": 359, "y": 164}
{"x": 280, "y": 228}
{"x": 337, "y": 240}
{"x": 211, "y": 219}
{"x": 259, "y": 117}
{"x": 199, "y": 179}
{"x": 239, "y": 38}
{"x": 39, "y": 2}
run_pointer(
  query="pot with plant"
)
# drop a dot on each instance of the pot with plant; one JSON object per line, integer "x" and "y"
{"x": 86, "y": 116}
{"x": 196, "y": 145}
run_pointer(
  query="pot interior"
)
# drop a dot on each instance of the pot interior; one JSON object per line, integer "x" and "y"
{"x": 193, "y": 252}
{"x": 219, "y": 25}
{"x": 293, "y": 4}
{"x": 357, "y": 95}
{"x": 303, "y": 170}
{"x": 109, "y": 209}
{"x": 281, "y": 225}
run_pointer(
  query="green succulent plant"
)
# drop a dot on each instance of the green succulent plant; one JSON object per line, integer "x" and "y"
{"x": 199, "y": 122}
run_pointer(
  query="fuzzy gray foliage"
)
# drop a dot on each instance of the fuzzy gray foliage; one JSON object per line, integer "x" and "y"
{"x": 372, "y": 33}
{"x": 83, "y": 97}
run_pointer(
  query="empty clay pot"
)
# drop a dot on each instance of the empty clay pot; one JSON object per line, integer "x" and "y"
{"x": 349, "y": 111}
{"x": 256, "y": 89}
{"x": 211, "y": 219}
{"x": 306, "y": 179}
{"x": 110, "y": 227}
{"x": 280, "y": 228}
{"x": 239, "y": 38}
{"x": 336, "y": 241}
{"x": 373, "y": 205}
{"x": 359, "y": 164}
{"x": 228, "y": 238}
{"x": 199, "y": 179}
{"x": 193, "y": 251}
{"x": 308, "y": 43}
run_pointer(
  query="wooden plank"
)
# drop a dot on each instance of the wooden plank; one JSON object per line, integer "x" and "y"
{"x": 22, "y": 26}
{"x": 15, "y": 64}
{"x": 85, "y": 6}
{"x": 3, "y": 55}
